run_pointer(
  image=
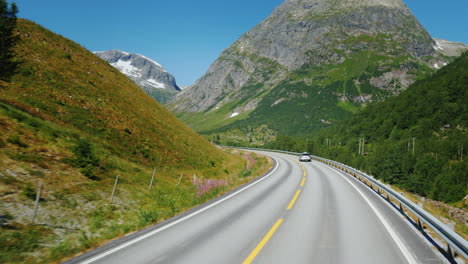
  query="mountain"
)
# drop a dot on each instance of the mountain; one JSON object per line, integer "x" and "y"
{"x": 146, "y": 73}
{"x": 310, "y": 64}
{"x": 75, "y": 125}
{"x": 449, "y": 48}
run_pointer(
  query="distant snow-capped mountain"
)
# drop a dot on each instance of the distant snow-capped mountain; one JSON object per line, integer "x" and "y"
{"x": 449, "y": 48}
{"x": 146, "y": 73}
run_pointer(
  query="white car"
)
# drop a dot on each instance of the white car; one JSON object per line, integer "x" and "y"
{"x": 305, "y": 157}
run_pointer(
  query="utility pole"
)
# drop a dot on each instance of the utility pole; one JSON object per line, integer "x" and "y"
{"x": 460, "y": 150}
{"x": 359, "y": 150}
{"x": 363, "y": 144}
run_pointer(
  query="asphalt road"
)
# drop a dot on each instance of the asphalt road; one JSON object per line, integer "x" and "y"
{"x": 298, "y": 213}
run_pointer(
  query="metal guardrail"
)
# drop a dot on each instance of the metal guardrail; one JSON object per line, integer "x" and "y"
{"x": 454, "y": 241}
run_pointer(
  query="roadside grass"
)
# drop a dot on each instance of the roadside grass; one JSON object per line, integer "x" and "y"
{"x": 75, "y": 213}
{"x": 72, "y": 122}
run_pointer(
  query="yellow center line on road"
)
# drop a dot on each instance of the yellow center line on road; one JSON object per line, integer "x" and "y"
{"x": 303, "y": 181}
{"x": 262, "y": 243}
{"x": 302, "y": 167}
{"x": 272, "y": 231}
{"x": 303, "y": 170}
{"x": 291, "y": 204}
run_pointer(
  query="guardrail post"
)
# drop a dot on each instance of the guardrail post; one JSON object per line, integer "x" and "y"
{"x": 450, "y": 254}
{"x": 401, "y": 209}
{"x": 420, "y": 226}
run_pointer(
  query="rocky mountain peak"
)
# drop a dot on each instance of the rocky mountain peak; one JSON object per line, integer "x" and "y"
{"x": 146, "y": 73}
{"x": 355, "y": 51}
{"x": 334, "y": 4}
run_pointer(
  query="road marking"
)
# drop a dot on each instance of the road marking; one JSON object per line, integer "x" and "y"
{"x": 291, "y": 204}
{"x": 302, "y": 167}
{"x": 137, "y": 239}
{"x": 409, "y": 257}
{"x": 262, "y": 243}
{"x": 303, "y": 181}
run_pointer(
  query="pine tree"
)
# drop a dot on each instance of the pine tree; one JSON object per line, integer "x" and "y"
{"x": 7, "y": 39}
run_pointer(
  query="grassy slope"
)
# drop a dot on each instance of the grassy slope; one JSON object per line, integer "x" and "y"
{"x": 67, "y": 109}
{"x": 62, "y": 82}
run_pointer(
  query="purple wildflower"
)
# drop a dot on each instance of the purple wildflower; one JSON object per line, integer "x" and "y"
{"x": 207, "y": 185}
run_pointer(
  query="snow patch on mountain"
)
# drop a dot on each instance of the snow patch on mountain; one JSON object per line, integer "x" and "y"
{"x": 156, "y": 83}
{"x": 145, "y": 72}
{"x": 449, "y": 48}
{"x": 127, "y": 68}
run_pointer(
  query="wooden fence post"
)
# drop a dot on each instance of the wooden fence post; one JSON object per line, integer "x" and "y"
{"x": 36, "y": 204}
{"x": 113, "y": 189}
{"x": 152, "y": 179}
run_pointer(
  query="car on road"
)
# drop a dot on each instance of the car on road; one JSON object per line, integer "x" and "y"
{"x": 305, "y": 157}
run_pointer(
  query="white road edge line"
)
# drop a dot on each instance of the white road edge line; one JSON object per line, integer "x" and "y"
{"x": 409, "y": 257}
{"x": 126, "y": 244}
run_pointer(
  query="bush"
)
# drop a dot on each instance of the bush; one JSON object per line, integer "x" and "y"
{"x": 29, "y": 191}
{"x": 14, "y": 244}
{"x": 147, "y": 217}
{"x": 26, "y": 157}
{"x": 85, "y": 158}
{"x": 245, "y": 173}
{"x": 17, "y": 141}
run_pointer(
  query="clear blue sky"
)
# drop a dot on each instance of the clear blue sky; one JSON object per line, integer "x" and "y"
{"x": 186, "y": 36}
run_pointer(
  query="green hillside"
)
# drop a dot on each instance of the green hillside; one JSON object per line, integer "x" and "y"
{"x": 72, "y": 122}
{"x": 62, "y": 82}
{"x": 432, "y": 115}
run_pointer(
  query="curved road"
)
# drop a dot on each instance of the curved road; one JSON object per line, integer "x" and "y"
{"x": 298, "y": 213}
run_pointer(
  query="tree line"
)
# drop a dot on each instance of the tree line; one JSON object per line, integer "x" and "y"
{"x": 8, "y": 39}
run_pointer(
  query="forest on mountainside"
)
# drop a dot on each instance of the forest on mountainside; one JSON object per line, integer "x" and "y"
{"x": 416, "y": 140}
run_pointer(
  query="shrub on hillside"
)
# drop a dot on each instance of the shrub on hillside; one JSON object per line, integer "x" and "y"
{"x": 85, "y": 158}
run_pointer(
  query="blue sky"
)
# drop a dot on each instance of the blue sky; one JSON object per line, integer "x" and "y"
{"x": 186, "y": 36}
